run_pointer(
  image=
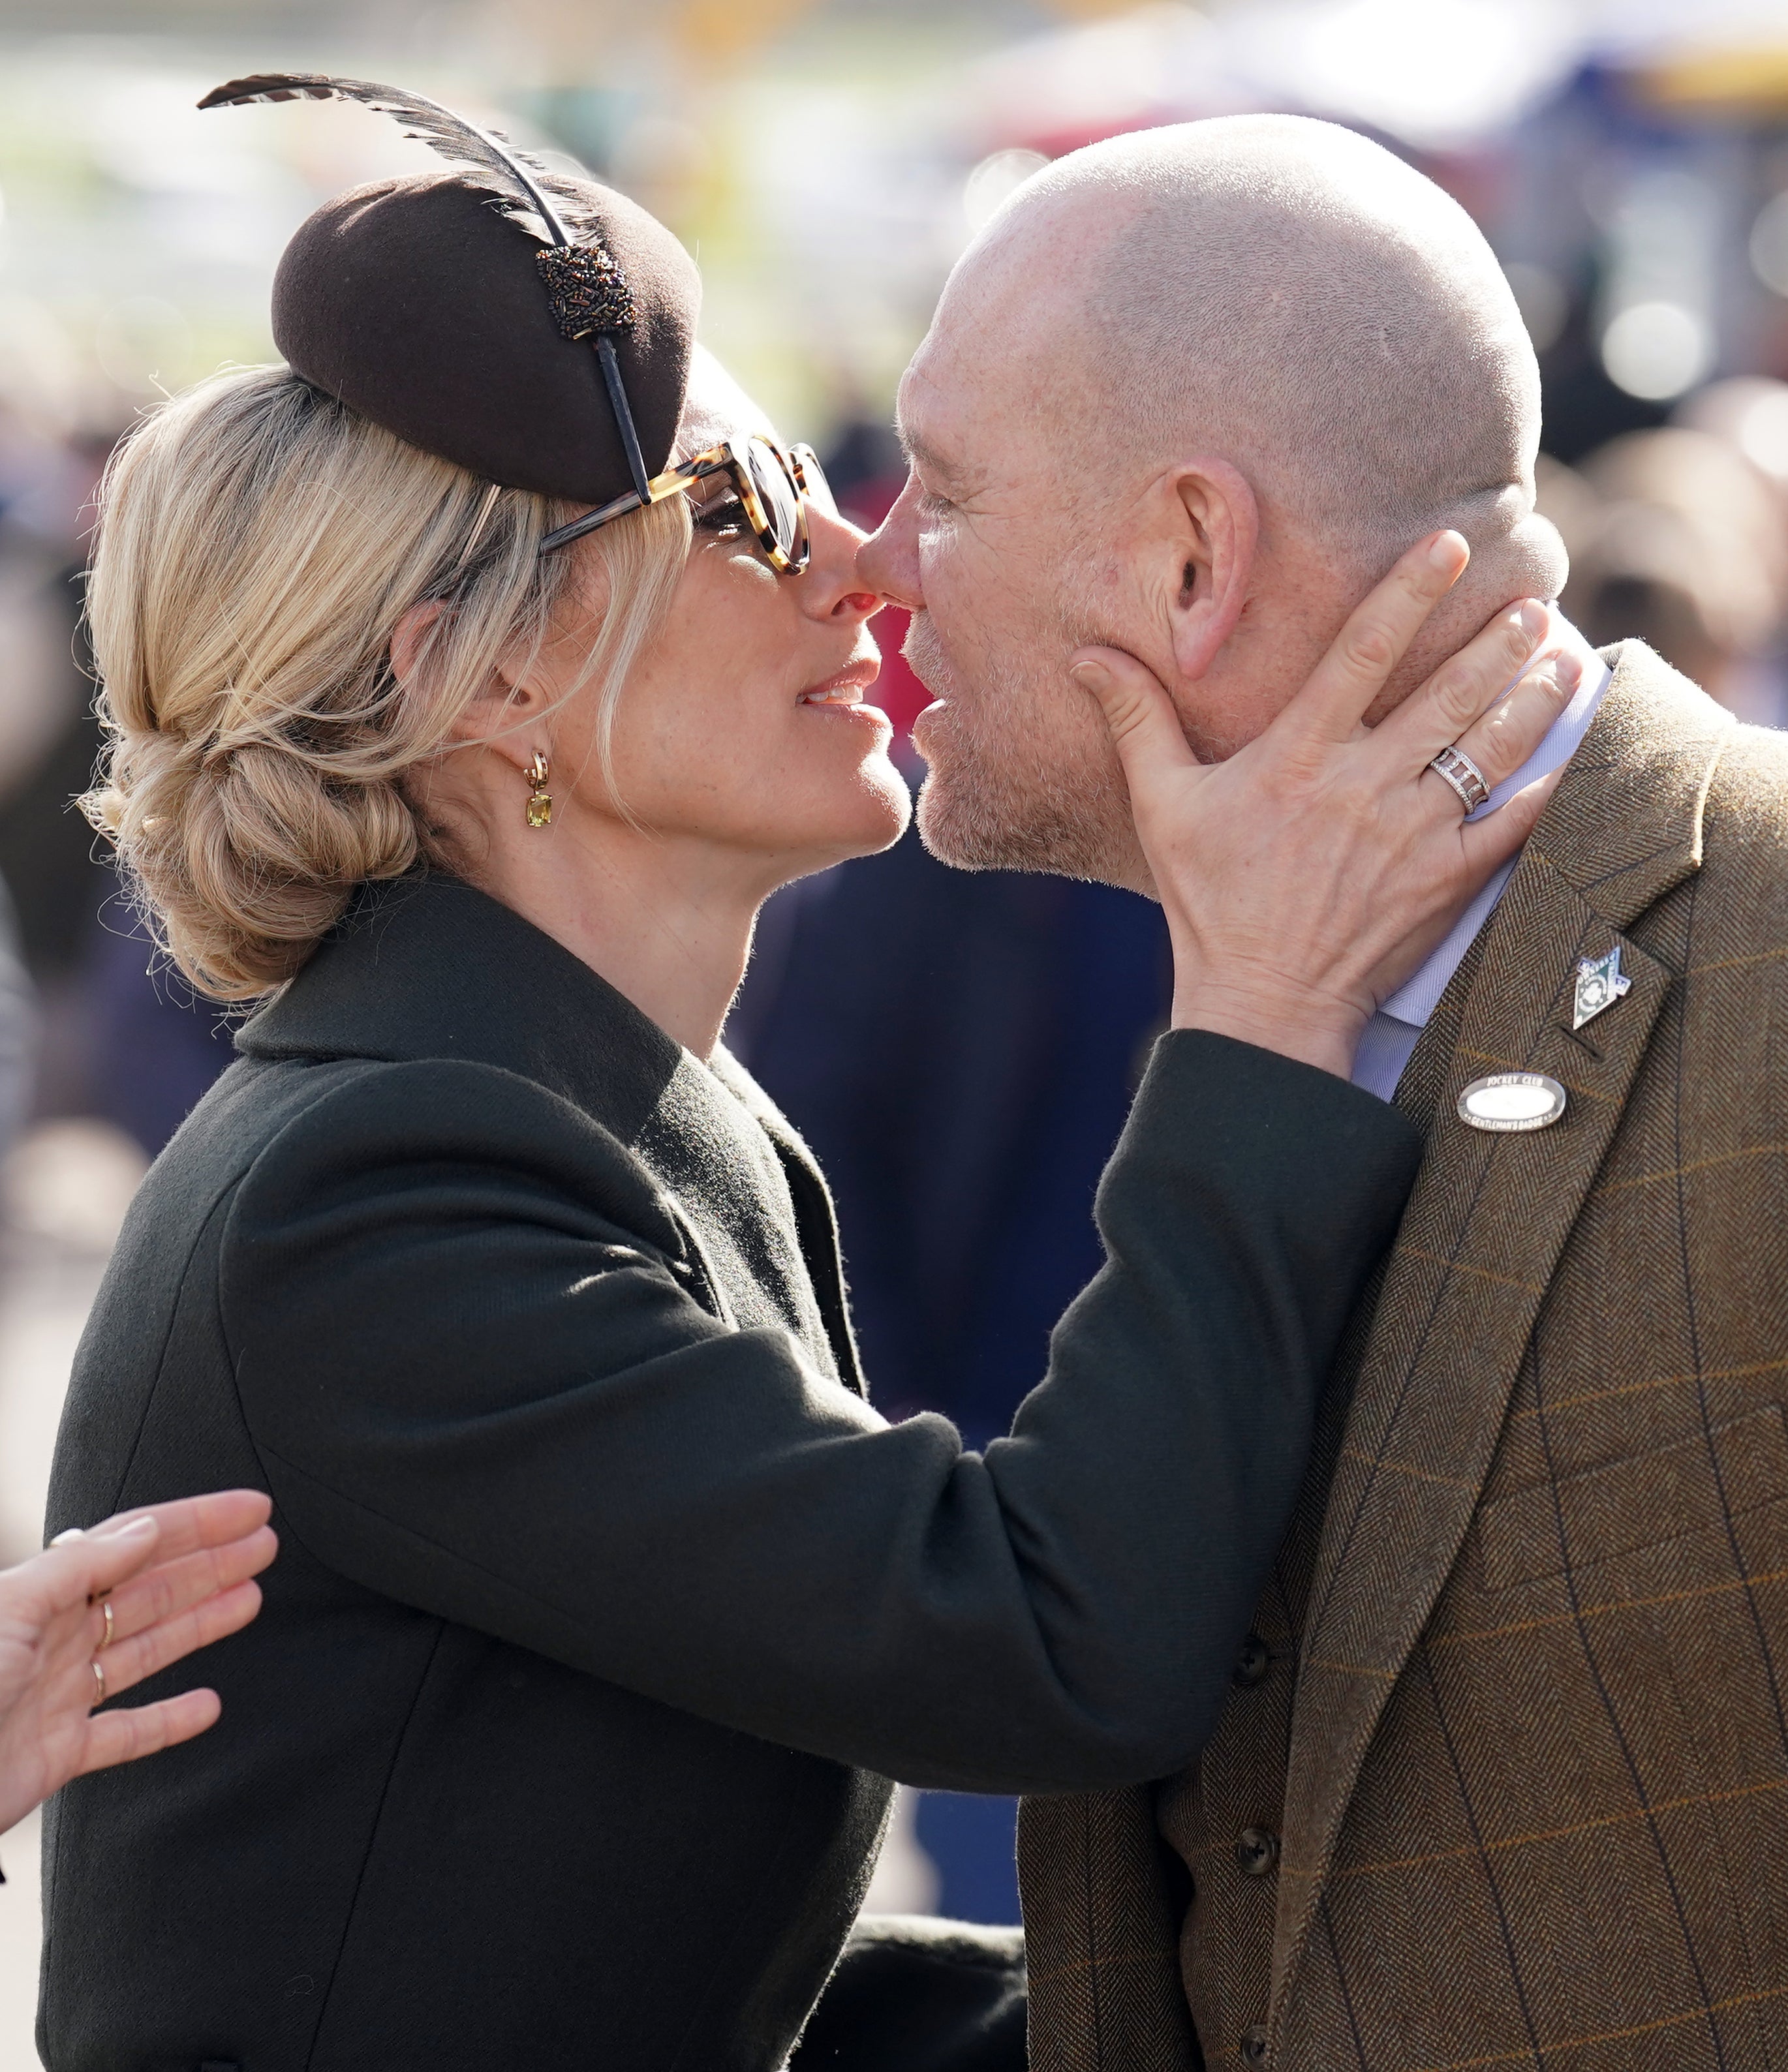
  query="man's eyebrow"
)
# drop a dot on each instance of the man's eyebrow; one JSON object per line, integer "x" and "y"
{"x": 928, "y": 458}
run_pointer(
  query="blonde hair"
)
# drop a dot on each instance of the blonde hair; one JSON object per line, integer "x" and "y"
{"x": 258, "y": 543}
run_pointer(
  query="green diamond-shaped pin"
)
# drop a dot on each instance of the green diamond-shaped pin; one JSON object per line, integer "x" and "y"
{"x": 1600, "y": 983}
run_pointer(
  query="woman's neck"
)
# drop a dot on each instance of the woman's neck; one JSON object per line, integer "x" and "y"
{"x": 667, "y": 922}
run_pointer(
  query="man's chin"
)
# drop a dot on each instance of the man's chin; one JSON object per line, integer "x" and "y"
{"x": 963, "y": 841}
{"x": 970, "y": 827}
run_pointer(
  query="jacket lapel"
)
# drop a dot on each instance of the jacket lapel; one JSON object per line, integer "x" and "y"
{"x": 815, "y": 1218}
{"x": 1484, "y": 1229}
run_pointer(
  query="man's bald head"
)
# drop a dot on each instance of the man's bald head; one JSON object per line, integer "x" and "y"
{"x": 1192, "y": 391}
{"x": 1287, "y": 291}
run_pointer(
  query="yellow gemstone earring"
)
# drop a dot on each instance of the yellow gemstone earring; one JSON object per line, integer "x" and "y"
{"x": 540, "y": 799}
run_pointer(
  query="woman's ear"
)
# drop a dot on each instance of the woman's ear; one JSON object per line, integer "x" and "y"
{"x": 494, "y": 710}
{"x": 409, "y": 639}
{"x": 1217, "y": 524}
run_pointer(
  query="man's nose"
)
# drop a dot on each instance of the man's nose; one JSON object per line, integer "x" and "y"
{"x": 888, "y": 561}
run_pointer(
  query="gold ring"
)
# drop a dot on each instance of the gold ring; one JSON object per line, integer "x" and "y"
{"x": 98, "y": 1669}
{"x": 106, "y": 1638}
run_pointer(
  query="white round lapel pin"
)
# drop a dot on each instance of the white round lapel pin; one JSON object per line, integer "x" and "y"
{"x": 1509, "y": 1102}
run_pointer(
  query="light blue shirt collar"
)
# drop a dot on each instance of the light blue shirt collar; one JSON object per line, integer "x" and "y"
{"x": 1392, "y": 1033}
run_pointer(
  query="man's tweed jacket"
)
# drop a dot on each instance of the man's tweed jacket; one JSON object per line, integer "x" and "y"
{"x": 1503, "y": 1778}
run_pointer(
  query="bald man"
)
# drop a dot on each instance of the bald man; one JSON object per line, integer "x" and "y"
{"x": 1503, "y": 1777}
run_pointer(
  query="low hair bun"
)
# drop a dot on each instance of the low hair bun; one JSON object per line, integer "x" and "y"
{"x": 245, "y": 861}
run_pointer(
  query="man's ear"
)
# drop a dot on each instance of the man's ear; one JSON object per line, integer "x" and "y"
{"x": 1216, "y": 525}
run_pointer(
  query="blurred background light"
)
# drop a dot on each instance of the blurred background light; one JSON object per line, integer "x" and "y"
{"x": 143, "y": 343}
{"x": 1768, "y": 243}
{"x": 994, "y": 180}
{"x": 1435, "y": 72}
{"x": 1656, "y": 350}
{"x": 1763, "y": 435}
{"x": 1542, "y": 298}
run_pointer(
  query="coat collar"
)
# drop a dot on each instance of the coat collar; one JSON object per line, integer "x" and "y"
{"x": 424, "y": 966}
{"x": 427, "y": 967}
{"x": 1484, "y": 1226}
{"x": 1625, "y": 826}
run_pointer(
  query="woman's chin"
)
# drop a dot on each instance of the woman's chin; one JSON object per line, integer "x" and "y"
{"x": 896, "y": 802}
{"x": 869, "y": 813}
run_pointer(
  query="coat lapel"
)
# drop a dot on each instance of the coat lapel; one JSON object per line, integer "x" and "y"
{"x": 1483, "y": 1231}
{"x": 815, "y": 1217}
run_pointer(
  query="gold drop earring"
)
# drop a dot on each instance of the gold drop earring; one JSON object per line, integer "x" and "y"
{"x": 540, "y": 799}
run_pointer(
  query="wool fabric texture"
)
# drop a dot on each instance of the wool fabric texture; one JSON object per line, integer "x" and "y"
{"x": 418, "y": 302}
{"x": 1514, "y": 1728}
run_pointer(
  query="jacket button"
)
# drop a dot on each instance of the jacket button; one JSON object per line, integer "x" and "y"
{"x": 1253, "y": 1662}
{"x": 1253, "y": 2045}
{"x": 1257, "y": 1851}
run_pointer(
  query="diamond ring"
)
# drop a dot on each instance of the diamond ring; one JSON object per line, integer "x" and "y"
{"x": 1465, "y": 776}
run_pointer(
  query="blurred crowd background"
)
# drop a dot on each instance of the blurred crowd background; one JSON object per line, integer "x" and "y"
{"x": 959, "y": 1050}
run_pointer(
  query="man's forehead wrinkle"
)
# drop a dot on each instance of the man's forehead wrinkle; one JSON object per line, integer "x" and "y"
{"x": 915, "y": 411}
{"x": 1019, "y": 363}
{"x": 1021, "y": 272}
{"x": 920, "y": 451}
{"x": 968, "y": 413}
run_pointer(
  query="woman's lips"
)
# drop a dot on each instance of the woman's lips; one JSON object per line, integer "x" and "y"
{"x": 845, "y": 689}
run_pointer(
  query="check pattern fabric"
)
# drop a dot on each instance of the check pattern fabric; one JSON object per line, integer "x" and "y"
{"x": 1515, "y": 1774}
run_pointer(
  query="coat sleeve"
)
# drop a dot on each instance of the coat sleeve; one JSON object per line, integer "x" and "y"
{"x": 480, "y": 1382}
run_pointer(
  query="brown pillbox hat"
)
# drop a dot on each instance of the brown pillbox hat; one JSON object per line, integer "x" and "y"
{"x": 423, "y": 304}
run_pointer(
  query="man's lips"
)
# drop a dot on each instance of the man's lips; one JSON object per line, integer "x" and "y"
{"x": 845, "y": 689}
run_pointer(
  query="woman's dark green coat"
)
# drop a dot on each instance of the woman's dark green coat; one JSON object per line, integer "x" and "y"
{"x": 606, "y": 1604}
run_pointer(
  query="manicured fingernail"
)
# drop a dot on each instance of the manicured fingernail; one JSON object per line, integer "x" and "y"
{"x": 73, "y": 1533}
{"x": 1091, "y": 676}
{"x": 1568, "y": 671}
{"x": 1444, "y": 552}
{"x": 1534, "y": 618}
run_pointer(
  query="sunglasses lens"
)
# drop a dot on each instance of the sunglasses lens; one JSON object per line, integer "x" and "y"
{"x": 813, "y": 480}
{"x": 776, "y": 493}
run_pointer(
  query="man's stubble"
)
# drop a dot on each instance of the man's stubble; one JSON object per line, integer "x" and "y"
{"x": 1022, "y": 777}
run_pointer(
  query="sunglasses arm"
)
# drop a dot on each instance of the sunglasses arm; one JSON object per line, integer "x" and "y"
{"x": 660, "y": 486}
{"x": 715, "y": 461}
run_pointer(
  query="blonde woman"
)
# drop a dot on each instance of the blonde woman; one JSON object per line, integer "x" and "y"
{"x": 468, "y": 743}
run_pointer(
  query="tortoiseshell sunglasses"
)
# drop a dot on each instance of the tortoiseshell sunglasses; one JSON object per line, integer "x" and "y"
{"x": 773, "y": 488}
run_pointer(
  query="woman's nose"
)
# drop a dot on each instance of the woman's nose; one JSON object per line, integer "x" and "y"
{"x": 833, "y": 581}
